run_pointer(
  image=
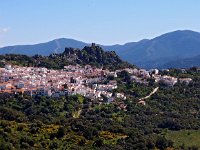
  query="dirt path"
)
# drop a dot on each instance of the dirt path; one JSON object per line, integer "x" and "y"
{"x": 146, "y": 97}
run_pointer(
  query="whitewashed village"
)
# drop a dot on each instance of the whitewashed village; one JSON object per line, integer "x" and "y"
{"x": 87, "y": 81}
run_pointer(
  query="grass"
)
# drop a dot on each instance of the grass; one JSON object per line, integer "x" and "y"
{"x": 188, "y": 138}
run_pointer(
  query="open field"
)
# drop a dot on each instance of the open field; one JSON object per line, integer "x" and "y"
{"x": 188, "y": 138}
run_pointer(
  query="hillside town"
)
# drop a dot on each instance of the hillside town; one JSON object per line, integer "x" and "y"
{"x": 87, "y": 81}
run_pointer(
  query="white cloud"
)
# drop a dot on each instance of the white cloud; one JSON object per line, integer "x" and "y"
{"x": 5, "y": 29}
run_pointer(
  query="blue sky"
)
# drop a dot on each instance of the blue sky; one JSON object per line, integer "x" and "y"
{"x": 100, "y": 21}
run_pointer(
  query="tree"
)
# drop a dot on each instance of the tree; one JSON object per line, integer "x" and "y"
{"x": 61, "y": 132}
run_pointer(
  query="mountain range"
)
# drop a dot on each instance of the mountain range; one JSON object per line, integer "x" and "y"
{"x": 162, "y": 50}
{"x": 174, "y": 49}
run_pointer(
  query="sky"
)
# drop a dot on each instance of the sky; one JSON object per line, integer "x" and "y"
{"x": 101, "y": 21}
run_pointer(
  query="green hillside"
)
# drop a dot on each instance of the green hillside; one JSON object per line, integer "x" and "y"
{"x": 170, "y": 119}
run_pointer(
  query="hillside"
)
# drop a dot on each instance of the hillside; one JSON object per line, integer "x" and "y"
{"x": 168, "y": 120}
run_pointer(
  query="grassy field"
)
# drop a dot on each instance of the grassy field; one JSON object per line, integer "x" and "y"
{"x": 188, "y": 138}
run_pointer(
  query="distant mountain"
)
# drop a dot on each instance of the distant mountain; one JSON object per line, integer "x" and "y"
{"x": 45, "y": 49}
{"x": 154, "y": 53}
{"x": 93, "y": 55}
{"x": 163, "y": 49}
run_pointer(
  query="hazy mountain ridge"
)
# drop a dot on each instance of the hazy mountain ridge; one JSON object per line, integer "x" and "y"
{"x": 160, "y": 51}
{"x": 153, "y": 53}
{"x": 45, "y": 49}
